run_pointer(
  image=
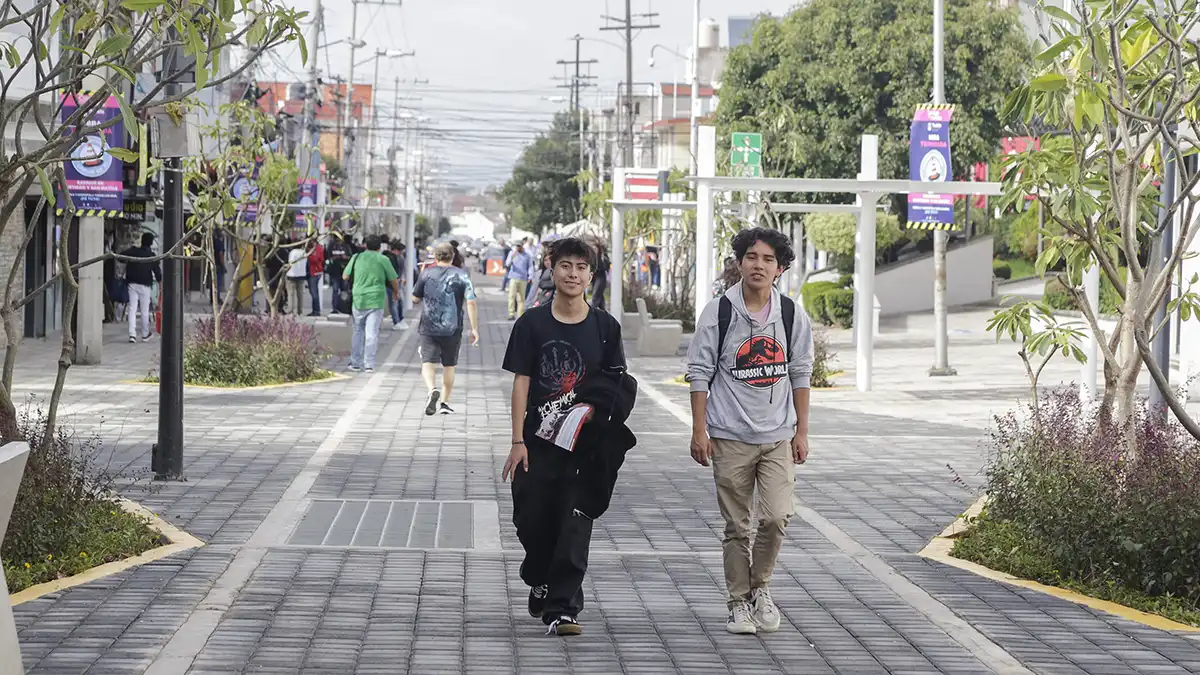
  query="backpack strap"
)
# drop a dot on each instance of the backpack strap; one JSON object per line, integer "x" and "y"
{"x": 787, "y": 307}
{"x": 724, "y": 318}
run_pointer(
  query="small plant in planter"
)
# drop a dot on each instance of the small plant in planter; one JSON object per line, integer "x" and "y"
{"x": 252, "y": 351}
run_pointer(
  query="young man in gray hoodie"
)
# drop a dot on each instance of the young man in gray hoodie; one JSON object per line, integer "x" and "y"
{"x": 749, "y": 366}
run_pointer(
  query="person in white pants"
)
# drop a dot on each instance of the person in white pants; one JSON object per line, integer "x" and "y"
{"x": 141, "y": 277}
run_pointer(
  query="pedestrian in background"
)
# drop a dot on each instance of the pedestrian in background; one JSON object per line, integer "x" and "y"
{"x": 368, "y": 274}
{"x": 521, "y": 269}
{"x": 316, "y": 271}
{"x": 505, "y": 252}
{"x": 297, "y": 276}
{"x": 749, "y": 366}
{"x": 393, "y": 299}
{"x": 140, "y": 277}
{"x": 338, "y": 257}
{"x": 600, "y": 281}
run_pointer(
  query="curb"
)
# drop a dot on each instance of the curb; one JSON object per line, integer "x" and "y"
{"x": 179, "y": 541}
{"x": 333, "y": 377}
{"x": 939, "y": 550}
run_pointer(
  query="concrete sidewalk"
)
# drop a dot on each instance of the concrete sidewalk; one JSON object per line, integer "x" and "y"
{"x": 349, "y": 533}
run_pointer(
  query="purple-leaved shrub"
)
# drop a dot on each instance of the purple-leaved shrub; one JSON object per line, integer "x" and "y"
{"x": 1105, "y": 515}
{"x": 253, "y": 350}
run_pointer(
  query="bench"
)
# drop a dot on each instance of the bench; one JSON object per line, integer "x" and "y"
{"x": 12, "y": 466}
{"x": 656, "y": 337}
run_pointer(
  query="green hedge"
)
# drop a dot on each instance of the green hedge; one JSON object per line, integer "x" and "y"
{"x": 811, "y": 295}
{"x": 1057, "y": 297}
{"x": 839, "y": 306}
{"x": 1001, "y": 269}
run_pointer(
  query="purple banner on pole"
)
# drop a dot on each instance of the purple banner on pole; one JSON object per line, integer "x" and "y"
{"x": 308, "y": 197}
{"x": 94, "y": 176}
{"x": 929, "y": 161}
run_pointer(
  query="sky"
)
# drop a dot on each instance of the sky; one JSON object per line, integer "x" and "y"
{"x": 490, "y": 64}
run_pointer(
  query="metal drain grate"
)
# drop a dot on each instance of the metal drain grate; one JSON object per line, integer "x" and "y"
{"x": 343, "y": 523}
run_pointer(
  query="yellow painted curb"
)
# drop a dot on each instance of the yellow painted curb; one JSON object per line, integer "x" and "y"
{"x": 180, "y": 541}
{"x": 939, "y": 550}
{"x": 333, "y": 377}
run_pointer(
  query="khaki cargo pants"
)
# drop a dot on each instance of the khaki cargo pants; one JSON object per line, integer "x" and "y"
{"x": 738, "y": 467}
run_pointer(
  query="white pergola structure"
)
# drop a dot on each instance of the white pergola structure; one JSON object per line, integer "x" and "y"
{"x": 408, "y": 215}
{"x": 869, "y": 189}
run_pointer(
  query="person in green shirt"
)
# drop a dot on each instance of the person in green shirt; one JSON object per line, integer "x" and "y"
{"x": 369, "y": 275}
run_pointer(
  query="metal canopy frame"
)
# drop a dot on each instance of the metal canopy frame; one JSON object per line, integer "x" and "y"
{"x": 844, "y": 185}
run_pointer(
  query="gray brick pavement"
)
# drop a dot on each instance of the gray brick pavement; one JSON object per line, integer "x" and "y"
{"x": 655, "y": 586}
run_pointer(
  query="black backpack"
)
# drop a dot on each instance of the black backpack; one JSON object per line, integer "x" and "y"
{"x": 787, "y": 307}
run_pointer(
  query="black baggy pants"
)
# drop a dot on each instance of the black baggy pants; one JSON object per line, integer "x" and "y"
{"x": 555, "y": 537}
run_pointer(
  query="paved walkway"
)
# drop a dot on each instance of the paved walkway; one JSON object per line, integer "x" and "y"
{"x": 348, "y": 533}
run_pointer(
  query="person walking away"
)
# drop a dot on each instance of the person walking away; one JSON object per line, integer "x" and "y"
{"x": 219, "y": 264}
{"x": 140, "y": 277}
{"x": 297, "y": 276}
{"x": 368, "y": 274}
{"x": 600, "y": 282}
{"x": 338, "y": 256}
{"x": 520, "y": 265}
{"x": 554, "y": 352}
{"x": 393, "y": 299}
{"x": 316, "y": 271}
{"x": 749, "y": 366}
{"x": 443, "y": 291}
{"x": 459, "y": 261}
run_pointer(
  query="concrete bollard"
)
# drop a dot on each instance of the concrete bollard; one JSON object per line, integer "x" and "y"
{"x": 12, "y": 466}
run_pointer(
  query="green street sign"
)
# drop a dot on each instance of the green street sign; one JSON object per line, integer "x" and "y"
{"x": 745, "y": 155}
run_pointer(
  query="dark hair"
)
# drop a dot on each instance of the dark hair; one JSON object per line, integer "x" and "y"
{"x": 383, "y": 238}
{"x": 373, "y": 242}
{"x": 777, "y": 240}
{"x": 572, "y": 247}
{"x": 147, "y": 239}
{"x": 454, "y": 243}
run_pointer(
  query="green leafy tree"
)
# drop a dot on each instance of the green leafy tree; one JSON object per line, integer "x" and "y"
{"x": 835, "y": 233}
{"x": 542, "y": 191}
{"x": 814, "y": 81}
{"x": 1117, "y": 76}
{"x": 55, "y": 47}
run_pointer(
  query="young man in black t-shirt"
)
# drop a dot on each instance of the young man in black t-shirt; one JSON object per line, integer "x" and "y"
{"x": 552, "y": 349}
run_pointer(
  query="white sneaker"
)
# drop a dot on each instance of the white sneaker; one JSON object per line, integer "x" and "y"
{"x": 740, "y": 620}
{"x": 403, "y": 324}
{"x": 766, "y": 614}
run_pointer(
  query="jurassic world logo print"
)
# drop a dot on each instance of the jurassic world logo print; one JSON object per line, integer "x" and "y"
{"x": 760, "y": 362}
{"x": 560, "y": 369}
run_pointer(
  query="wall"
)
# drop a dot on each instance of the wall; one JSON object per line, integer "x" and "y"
{"x": 908, "y": 287}
{"x": 10, "y": 244}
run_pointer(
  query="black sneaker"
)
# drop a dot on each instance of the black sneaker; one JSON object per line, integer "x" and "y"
{"x": 445, "y": 409}
{"x": 563, "y": 626}
{"x": 537, "y": 600}
{"x": 431, "y": 405}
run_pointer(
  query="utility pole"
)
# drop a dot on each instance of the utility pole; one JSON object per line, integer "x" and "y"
{"x": 310, "y": 101}
{"x": 1161, "y": 347}
{"x": 392, "y": 152}
{"x": 626, "y": 25}
{"x": 941, "y": 238}
{"x": 580, "y": 81}
{"x": 348, "y": 154}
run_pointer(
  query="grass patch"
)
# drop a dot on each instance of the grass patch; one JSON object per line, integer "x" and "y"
{"x": 1007, "y": 547}
{"x": 104, "y": 533}
{"x": 1021, "y": 268}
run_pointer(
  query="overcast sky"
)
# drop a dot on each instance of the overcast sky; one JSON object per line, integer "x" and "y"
{"x": 491, "y": 63}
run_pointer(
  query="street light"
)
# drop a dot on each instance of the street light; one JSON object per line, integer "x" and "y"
{"x": 357, "y": 44}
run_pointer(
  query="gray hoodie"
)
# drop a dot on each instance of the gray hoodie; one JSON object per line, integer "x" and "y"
{"x": 749, "y": 398}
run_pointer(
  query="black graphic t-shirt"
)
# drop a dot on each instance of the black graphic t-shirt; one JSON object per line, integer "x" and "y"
{"x": 557, "y": 357}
